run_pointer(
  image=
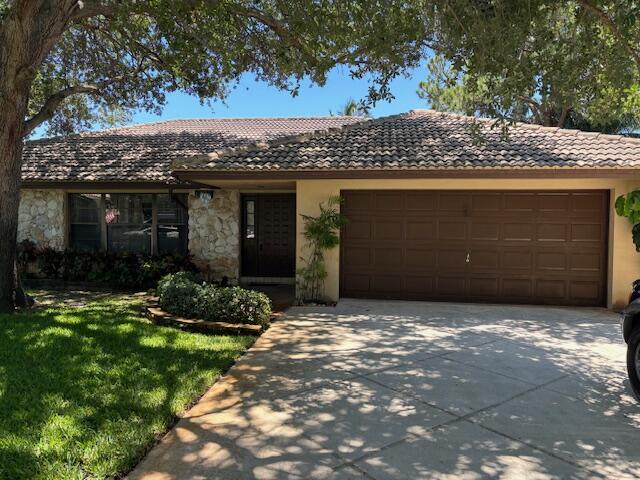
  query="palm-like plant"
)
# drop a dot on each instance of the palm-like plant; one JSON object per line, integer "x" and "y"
{"x": 322, "y": 234}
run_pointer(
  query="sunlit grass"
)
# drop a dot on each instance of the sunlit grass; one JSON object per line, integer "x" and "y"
{"x": 85, "y": 391}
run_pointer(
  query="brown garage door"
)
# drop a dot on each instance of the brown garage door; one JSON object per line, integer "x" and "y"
{"x": 517, "y": 247}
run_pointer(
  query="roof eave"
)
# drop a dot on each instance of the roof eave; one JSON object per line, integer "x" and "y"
{"x": 543, "y": 172}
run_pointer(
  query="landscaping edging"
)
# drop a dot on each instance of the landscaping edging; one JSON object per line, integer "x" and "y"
{"x": 160, "y": 317}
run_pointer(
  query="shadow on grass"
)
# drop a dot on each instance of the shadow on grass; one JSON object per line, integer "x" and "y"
{"x": 84, "y": 392}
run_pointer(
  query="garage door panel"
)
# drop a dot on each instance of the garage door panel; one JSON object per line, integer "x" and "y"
{"x": 518, "y": 231}
{"x": 359, "y": 257}
{"x": 488, "y": 204}
{"x": 517, "y": 288}
{"x": 422, "y": 202}
{"x": 484, "y": 287}
{"x": 419, "y": 284}
{"x": 587, "y": 203}
{"x": 586, "y": 232}
{"x": 421, "y": 229}
{"x": 517, "y": 260}
{"x": 452, "y": 259}
{"x": 389, "y": 258}
{"x": 450, "y": 285}
{"x": 484, "y": 230}
{"x": 520, "y": 203}
{"x": 452, "y": 202}
{"x": 552, "y": 232}
{"x": 359, "y": 201}
{"x": 586, "y": 262}
{"x": 421, "y": 258}
{"x": 514, "y": 247}
{"x": 551, "y": 289}
{"x": 556, "y": 203}
{"x": 387, "y": 285}
{"x": 358, "y": 283}
{"x": 452, "y": 230}
{"x": 551, "y": 260}
{"x": 394, "y": 201}
{"x": 388, "y": 230}
{"x": 585, "y": 290}
{"x": 357, "y": 229}
{"x": 487, "y": 260}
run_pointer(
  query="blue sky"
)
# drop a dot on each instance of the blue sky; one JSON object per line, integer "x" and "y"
{"x": 257, "y": 99}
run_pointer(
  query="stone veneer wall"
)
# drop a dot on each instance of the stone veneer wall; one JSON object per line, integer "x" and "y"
{"x": 41, "y": 217}
{"x": 214, "y": 234}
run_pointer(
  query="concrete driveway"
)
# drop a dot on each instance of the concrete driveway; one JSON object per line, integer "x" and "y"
{"x": 411, "y": 390}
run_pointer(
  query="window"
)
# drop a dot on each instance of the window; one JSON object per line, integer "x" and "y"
{"x": 126, "y": 222}
{"x": 84, "y": 228}
{"x": 129, "y": 222}
{"x": 172, "y": 223}
{"x": 250, "y": 221}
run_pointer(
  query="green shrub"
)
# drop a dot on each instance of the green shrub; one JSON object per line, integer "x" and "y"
{"x": 127, "y": 270}
{"x": 235, "y": 305}
{"x": 180, "y": 293}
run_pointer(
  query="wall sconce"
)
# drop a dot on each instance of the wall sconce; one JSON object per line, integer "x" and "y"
{"x": 205, "y": 196}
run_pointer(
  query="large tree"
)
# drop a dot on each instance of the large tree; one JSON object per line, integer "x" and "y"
{"x": 568, "y": 64}
{"x": 67, "y": 63}
{"x": 70, "y": 62}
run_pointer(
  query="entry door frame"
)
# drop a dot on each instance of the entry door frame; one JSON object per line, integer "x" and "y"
{"x": 250, "y": 257}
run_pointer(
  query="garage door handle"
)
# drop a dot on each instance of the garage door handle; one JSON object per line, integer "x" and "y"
{"x": 468, "y": 257}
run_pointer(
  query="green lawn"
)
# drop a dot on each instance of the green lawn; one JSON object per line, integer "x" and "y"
{"x": 85, "y": 391}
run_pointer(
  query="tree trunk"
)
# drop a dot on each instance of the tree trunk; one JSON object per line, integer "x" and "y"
{"x": 28, "y": 31}
{"x": 10, "y": 163}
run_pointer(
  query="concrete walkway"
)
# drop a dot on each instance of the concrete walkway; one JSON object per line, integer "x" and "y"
{"x": 409, "y": 390}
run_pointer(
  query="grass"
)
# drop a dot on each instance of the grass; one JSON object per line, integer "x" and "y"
{"x": 85, "y": 391}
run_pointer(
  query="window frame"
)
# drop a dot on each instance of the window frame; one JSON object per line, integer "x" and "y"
{"x": 180, "y": 199}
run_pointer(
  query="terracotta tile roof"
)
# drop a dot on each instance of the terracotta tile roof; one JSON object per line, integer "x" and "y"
{"x": 145, "y": 152}
{"x": 425, "y": 140}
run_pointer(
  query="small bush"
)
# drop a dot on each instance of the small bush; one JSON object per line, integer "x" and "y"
{"x": 235, "y": 305}
{"x": 181, "y": 294}
{"x": 127, "y": 270}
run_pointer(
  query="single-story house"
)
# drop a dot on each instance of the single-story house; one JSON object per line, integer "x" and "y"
{"x": 439, "y": 206}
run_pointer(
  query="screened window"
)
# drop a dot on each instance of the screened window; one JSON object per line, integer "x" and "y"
{"x": 126, "y": 222}
{"x": 172, "y": 223}
{"x": 84, "y": 228}
{"x": 129, "y": 222}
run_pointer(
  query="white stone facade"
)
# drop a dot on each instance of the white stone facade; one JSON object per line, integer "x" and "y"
{"x": 214, "y": 234}
{"x": 41, "y": 217}
{"x": 214, "y": 229}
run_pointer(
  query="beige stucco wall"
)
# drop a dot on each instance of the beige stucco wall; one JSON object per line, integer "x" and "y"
{"x": 214, "y": 234}
{"x": 41, "y": 217}
{"x": 624, "y": 261}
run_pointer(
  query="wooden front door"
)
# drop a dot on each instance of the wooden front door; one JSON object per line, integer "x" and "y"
{"x": 269, "y": 235}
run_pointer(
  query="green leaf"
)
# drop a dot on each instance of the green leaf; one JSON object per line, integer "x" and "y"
{"x": 620, "y": 205}
{"x": 636, "y": 236}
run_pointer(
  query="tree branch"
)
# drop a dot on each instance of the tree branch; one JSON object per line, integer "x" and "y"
{"x": 50, "y": 105}
{"x": 279, "y": 29}
{"x": 87, "y": 9}
{"x": 535, "y": 106}
{"x": 563, "y": 116}
{"x": 611, "y": 25}
{"x": 53, "y": 102}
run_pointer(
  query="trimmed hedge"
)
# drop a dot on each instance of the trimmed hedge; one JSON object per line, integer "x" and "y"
{"x": 182, "y": 294}
{"x": 125, "y": 270}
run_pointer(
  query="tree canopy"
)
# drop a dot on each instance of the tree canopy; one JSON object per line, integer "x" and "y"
{"x": 71, "y": 63}
{"x": 117, "y": 56}
{"x": 567, "y": 64}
